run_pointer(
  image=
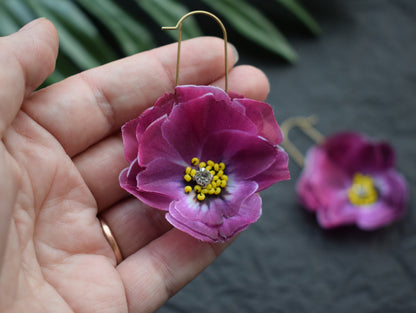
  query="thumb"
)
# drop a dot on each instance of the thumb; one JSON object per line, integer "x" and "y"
{"x": 27, "y": 58}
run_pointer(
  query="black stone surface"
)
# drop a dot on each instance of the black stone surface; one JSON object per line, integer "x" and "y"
{"x": 360, "y": 74}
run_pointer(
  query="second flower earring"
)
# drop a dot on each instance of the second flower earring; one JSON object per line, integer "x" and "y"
{"x": 347, "y": 178}
{"x": 202, "y": 155}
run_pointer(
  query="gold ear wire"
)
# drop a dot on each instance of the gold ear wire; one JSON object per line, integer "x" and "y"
{"x": 179, "y": 25}
{"x": 306, "y": 125}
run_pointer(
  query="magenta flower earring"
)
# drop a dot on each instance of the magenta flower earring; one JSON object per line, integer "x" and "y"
{"x": 202, "y": 155}
{"x": 348, "y": 179}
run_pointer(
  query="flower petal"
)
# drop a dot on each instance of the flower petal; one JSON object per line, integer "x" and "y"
{"x": 214, "y": 211}
{"x": 133, "y": 130}
{"x": 162, "y": 176}
{"x": 261, "y": 114}
{"x": 233, "y": 95}
{"x": 344, "y": 148}
{"x": 236, "y": 193}
{"x": 248, "y": 213}
{"x": 392, "y": 189}
{"x": 153, "y": 145}
{"x": 196, "y": 229}
{"x": 356, "y": 153}
{"x": 319, "y": 179}
{"x": 190, "y": 123}
{"x": 163, "y": 106}
{"x": 277, "y": 171}
{"x": 339, "y": 212}
{"x": 154, "y": 200}
{"x": 185, "y": 93}
{"x": 307, "y": 195}
{"x": 368, "y": 217}
{"x": 245, "y": 155}
{"x": 380, "y": 214}
{"x": 131, "y": 147}
{"x": 128, "y": 181}
{"x": 128, "y": 176}
{"x": 377, "y": 157}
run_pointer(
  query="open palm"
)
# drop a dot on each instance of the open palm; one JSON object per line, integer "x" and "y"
{"x": 60, "y": 156}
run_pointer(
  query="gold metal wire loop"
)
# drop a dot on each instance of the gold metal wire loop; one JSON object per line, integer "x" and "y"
{"x": 179, "y": 26}
{"x": 306, "y": 125}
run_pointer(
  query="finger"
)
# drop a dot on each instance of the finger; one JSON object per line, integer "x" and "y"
{"x": 101, "y": 165}
{"x": 156, "y": 272}
{"x": 26, "y": 59}
{"x": 248, "y": 81}
{"x": 134, "y": 224}
{"x": 87, "y": 107}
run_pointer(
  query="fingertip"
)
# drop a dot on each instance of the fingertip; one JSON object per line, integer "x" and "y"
{"x": 249, "y": 81}
{"x": 27, "y": 58}
{"x": 40, "y": 37}
{"x": 44, "y": 27}
{"x": 235, "y": 53}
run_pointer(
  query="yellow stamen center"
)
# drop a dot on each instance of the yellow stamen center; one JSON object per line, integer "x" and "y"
{"x": 206, "y": 179}
{"x": 362, "y": 190}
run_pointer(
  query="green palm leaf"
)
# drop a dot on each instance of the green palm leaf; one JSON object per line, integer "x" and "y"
{"x": 254, "y": 25}
{"x": 81, "y": 37}
{"x": 167, "y": 13}
{"x": 130, "y": 34}
{"x": 7, "y": 23}
{"x": 300, "y": 12}
{"x": 19, "y": 11}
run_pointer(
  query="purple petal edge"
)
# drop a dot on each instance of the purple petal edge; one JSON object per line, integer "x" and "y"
{"x": 231, "y": 226}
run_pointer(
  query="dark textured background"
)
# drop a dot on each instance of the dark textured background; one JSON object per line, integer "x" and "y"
{"x": 360, "y": 74}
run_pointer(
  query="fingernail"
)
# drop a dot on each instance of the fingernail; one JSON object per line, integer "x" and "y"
{"x": 235, "y": 52}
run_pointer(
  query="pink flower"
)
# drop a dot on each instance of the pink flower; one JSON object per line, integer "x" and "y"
{"x": 203, "y": 155}
{"x": 349, "y": 179}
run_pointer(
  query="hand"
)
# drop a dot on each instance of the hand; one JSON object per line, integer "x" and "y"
{"x": 60, "y": 157}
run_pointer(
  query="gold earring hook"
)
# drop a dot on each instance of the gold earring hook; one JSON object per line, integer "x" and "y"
{"x": 179, "y": 25}
{"x": 306, "y": 125}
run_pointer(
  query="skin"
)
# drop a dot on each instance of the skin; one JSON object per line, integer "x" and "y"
{"x": 60, "y": 156}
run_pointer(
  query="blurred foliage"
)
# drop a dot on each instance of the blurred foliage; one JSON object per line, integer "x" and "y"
{"x": 94, "y": 32}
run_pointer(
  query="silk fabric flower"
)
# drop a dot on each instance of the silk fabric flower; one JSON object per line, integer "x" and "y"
{"x": 203, "y": 155}
{"x": 349, "y": 179}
